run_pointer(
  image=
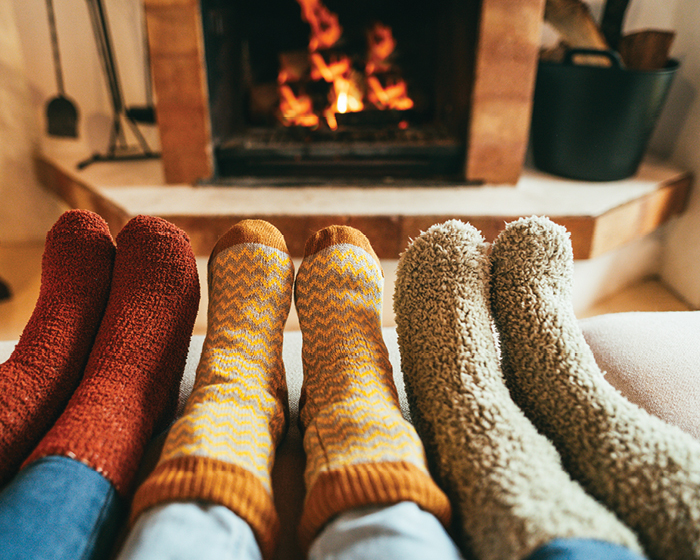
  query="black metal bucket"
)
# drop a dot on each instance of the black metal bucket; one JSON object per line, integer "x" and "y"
{"x": 593, "y": 123}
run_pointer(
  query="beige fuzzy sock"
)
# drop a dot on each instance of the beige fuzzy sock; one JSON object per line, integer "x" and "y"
{"x": 645, "y": 470}
{"x": 510, "y": 492}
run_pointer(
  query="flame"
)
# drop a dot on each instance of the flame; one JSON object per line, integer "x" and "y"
{"x": 393, "y": 96}
{"x": 325, "y": 28}
{"x": 296, "y": 110}
{"x": 380, "y": 45}
{"x": 329, "y": 72}
{"x": 347, "y": 92}
{"x": 345, "y": 97}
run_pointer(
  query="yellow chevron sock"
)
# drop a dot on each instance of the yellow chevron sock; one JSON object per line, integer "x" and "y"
{"x": 222, "y": 449}
{"x": 360, "y": 450}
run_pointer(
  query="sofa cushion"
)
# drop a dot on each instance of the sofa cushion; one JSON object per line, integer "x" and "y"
{"x": 653, "y": 359}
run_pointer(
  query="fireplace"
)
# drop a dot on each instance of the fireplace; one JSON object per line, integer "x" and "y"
{"x": 273, "y": 97}
{"x": 224, "y": 69}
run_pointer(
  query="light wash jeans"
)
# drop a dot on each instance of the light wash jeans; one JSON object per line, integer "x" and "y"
{"x": 190, "y": 530}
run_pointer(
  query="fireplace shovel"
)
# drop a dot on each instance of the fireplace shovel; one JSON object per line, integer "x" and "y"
{"x": 61, "y": 112}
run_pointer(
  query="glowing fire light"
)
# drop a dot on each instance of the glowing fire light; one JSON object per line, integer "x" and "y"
{"x": 393, "y": 96}
{"x": 296, "y": 110}
{"x": 325, "y": 29}
{"x": 380, "y": 44}
{"x": 329, "y": 72}
{"x": 345, "y": 97}
{"x": 349, "y": 88}
{"x": 342, "y": 102}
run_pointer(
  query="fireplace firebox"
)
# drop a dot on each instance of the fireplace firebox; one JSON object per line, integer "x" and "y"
{"x": 328, "y": 88}
{"x": 273, "y": 91}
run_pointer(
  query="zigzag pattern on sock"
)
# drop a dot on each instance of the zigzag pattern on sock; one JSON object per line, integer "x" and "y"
{"x": 359, "y": 447}
{"x": 248, "y": 403}
{"x": 222, "y": 448}
{"x": 344, "y": 407}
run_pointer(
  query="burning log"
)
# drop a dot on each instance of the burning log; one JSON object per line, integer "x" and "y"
{"x": 347, "y": 85}
{"x": 393, "y": 96}
{"x": 294, "y": 66}
{"x": 296, "y": 110}
{"x": 330, "y": 72}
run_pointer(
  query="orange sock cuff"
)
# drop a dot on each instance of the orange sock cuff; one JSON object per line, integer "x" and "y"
{"x": 365, "y": 484}
{"x": 205, "y": 479}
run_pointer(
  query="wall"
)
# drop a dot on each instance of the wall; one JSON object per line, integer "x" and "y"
{"x": 27, "y": 82}
{"x": 677, "y": 136}
{"x": 25, "y": 209}
{"x": 681, "y": 262}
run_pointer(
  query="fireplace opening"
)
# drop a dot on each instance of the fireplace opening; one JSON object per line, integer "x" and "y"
{"x": 334, "y": 88}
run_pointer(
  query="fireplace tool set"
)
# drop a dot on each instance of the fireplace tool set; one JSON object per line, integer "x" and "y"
{"x": 62, "y": 114}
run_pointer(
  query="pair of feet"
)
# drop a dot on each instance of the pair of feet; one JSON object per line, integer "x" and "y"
{"x": 98, "y": 365}
{"x": 528, "y": 439}
{"x": 359, "y": 448}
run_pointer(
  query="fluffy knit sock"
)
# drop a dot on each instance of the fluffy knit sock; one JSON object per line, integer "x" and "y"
{"x": 360, "y": 450}
{"x": 47, "y": 363}
{"x": 222, "y": 449}
{"x": 131, "y": 380}
{"x": 505, "y": 480}
{"x": 646, "y": 471}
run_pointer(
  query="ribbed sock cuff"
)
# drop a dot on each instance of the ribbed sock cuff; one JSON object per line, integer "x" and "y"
{"x": 209, "y": 480}
{"x": 364, "y": 484}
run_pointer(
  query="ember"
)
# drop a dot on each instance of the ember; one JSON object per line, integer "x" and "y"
{"x": 353, "y": 84}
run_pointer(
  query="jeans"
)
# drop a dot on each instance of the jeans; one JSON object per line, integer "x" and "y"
{"x": 191, "y": 530}
{"x": 57, "y": 508}
{"x": 583, "y": 549}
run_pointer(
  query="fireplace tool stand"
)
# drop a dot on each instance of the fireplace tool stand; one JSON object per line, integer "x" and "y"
{"x": 119, "y": 149}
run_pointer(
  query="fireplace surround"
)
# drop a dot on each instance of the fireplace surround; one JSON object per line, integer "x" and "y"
{"x": 470, "y": 66}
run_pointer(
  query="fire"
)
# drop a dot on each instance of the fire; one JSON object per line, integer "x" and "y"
{"x": 325, "y": 29}
{"x": 344, "y": 97}
{"x": 341, "y": 103}
{"x": 393, "y": 96}
{"x": 349, "y": 88}
{"x": 328, "y": 72}
{"x": 380, "y": 44}
{"x": 296, "y": 110}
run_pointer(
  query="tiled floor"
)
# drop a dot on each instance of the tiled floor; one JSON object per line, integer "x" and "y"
{"x": 20, "y": 267}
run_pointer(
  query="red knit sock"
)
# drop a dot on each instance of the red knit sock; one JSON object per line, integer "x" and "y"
{"x": 131, "y": 380}
{"x": 45, "y": 367}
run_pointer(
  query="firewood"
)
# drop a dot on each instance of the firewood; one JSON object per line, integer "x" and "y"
{"x": 646, "y": 50}
{"x": 573, "y": 20}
